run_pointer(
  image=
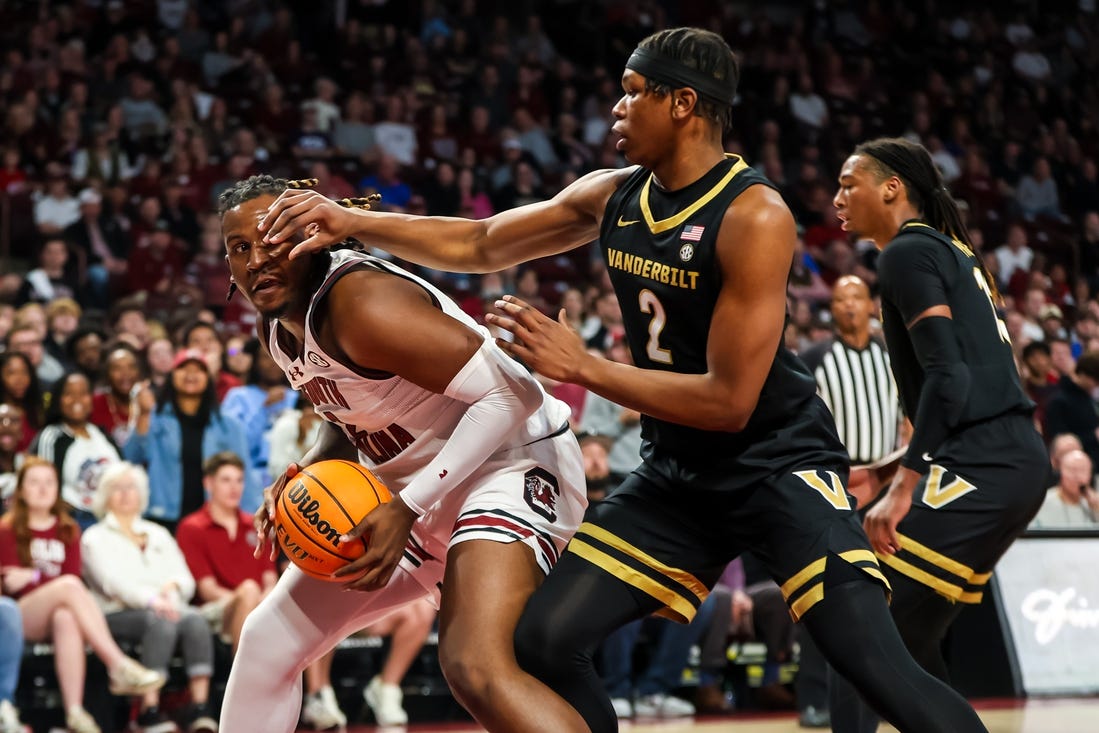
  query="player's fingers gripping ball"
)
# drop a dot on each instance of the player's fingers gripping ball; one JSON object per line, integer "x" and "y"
{"x": 320, "y": 503}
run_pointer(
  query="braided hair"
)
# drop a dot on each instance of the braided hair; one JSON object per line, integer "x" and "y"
{"x": 267, "y": 185}
{"x": 924, "y": 186}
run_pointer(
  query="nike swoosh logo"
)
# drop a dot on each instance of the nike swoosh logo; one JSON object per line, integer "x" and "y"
{"x": 927, "y": 457}
{"x": 623, "y": 223}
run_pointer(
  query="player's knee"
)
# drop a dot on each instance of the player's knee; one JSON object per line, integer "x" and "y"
{"x": 469, "y": 672}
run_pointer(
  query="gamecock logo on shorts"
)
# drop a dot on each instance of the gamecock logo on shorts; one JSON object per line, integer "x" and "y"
{"x": 541, "y": 492}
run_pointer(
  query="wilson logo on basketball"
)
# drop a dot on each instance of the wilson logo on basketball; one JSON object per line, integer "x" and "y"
{"x": 308, "y": 509}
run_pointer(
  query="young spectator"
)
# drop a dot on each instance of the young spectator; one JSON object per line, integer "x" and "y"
{"x": 52, "y": 278}
{"x": 256, "y": 405}
{"x": 104, "y": 244}
{"x": 139, "y": 576}
{"x": 1039, "y": 377}
{"x": 204, "y": 338}
{"x": 1037, "y": 194}
{"x": 19, "y": 387}
{"x": 84, "y": 351}
{"x": 160, "y": 354}
{"x": 387, "y": 181}
{"x": 218, "y": 543}
{"x": 11, "y": 657}
{"x": 353, "y": 135}
{"x": 57, "y": 208}
{"x": 29, "y": 340}
{"x": 1014, "y": 255}
{"x": 62, "y": 320}
{"x": 40, "y": 566}
{"x": 130, "y": 324}
{"x": 1073, "y": 502}
{"x": 111, "y": 403}
{"x": 175, "y": 433}
{"x": 76, "y": 446}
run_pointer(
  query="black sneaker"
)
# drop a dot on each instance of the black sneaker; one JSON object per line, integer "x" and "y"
{"x": 199, "y": 718}
{"x": 151, "y": 720}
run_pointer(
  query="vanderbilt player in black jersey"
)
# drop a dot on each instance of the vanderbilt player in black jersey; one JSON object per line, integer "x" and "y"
{"x": 975, "y": 470}
{"x": 739, "y": 452}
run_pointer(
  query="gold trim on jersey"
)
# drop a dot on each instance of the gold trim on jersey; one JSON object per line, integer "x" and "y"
{"x": 627, "y": 568}
{"x": 802, "y": 593}
{"x": 656, "y": 227}
{"x": 955, "y": 580}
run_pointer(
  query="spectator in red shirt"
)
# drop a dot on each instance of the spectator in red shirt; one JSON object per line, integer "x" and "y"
{"x": 219, "y": 543}
{"x": 40, "y": 567}
{"x": 156, "y": 264}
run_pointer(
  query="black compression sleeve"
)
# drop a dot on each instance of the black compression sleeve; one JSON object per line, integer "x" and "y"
{"x": 945, "y": 388}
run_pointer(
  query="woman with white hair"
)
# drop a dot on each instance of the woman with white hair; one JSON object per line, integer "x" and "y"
{"x": 140, "y": 578}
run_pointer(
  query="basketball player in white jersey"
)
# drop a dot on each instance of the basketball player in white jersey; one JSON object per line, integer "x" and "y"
{"x": 488, "y": 481}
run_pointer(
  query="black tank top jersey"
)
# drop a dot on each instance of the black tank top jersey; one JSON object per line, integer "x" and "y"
{"x": 916, "y": 252}
{"x": 660, "y": 251}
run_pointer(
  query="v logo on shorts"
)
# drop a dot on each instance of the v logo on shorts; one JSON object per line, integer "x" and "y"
{"x": 937, "y": 496}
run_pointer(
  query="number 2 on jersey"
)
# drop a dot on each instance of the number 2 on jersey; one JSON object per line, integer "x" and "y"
{"x": 649, "y": 303}
{"x": 983, "y": 285}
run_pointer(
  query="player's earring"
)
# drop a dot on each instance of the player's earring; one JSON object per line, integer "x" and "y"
{"x": 232, "y": 290}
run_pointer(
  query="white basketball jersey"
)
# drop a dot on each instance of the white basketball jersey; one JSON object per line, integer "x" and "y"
{"x": 397, "y": 426}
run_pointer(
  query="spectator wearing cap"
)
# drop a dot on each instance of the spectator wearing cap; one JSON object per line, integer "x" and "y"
{"x": 175, "y": 432}
{"x": 52, "y": 278}
{"x": 103, "y": 244}
{"x": 1039, "y": 377}
{"x": 203, "y": 337}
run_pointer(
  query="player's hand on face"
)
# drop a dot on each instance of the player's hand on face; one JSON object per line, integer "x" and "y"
{"x": 551, "y": 348}
{"x": 319, "y": 218}
{"x": 387, "y": 528}
{"x": 264, "y": 519}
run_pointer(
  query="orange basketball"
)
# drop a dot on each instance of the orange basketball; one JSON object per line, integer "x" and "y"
{"x": 322, "y": 502}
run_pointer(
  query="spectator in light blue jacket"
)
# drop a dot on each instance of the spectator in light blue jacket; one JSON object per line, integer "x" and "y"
{"x": 176, "y": 432}
{"x": 257, "y": 405}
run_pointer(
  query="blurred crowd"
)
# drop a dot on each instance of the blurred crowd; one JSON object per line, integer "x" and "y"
{"x": 124, "y": 120}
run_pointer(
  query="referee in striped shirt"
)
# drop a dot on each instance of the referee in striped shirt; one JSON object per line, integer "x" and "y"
{"x": 854, "y": 380}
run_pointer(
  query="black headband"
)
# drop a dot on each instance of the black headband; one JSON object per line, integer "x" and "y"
{"x": 660, "y": 68}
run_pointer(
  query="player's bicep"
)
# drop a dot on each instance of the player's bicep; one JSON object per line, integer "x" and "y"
{"x": 393, "y": 326}
{"x": 750, "y": 313}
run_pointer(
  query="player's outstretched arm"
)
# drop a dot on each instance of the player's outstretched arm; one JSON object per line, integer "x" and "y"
{"x": 755, "y": 249}
{"x": 568, "y": 220}
{"x": 392, "y": 326}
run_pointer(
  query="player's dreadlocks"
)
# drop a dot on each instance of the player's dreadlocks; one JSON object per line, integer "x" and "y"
{"x": 912, "y": 164}
{"x": 267, "y": 185}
